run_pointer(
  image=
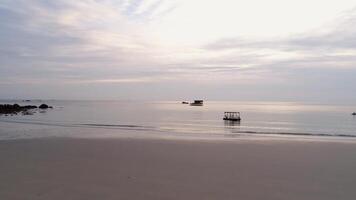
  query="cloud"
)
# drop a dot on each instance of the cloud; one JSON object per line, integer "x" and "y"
{"x": 152, "y": 42}
{"x": 61, "y": 37}
{"x": 335, "y": 48}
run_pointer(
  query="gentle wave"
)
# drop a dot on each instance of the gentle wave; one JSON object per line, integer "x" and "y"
{"x": 117, "y": 125}
{"x": 58, "y": 124}
{"x": 295, "y": 134}
{"x": 121, "y": 127}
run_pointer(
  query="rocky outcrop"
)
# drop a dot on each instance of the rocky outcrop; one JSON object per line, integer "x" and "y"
{"x": 15, "y": 108}
{"x": 44, "y": 106}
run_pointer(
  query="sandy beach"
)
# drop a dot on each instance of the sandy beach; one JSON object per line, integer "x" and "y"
{"x": 58, "y": 168}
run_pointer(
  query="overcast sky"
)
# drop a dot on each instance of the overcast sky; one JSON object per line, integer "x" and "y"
{"x": 281, "y": 50}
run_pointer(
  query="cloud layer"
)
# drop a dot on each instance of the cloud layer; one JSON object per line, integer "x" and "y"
{"x": 153, "y": 49}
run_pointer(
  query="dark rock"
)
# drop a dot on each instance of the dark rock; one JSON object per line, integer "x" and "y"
{"x": 44, "y": 106}
{"x": 7, "y": 109}
{"x": 30, "y": 107}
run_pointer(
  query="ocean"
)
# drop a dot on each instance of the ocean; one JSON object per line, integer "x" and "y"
{"x": 272, "y": 119}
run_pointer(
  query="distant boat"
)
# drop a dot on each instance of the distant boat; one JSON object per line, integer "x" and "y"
{"x": 232, "y": 116}
{"x": 197, "y": 103}
{"x": 354, "y": 114}
{"x": 185, "y": 102}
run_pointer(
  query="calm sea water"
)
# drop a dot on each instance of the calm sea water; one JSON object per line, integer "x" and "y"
{"x": 258, "y": 118}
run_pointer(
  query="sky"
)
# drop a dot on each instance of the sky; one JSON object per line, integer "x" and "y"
{"x": 276, "y": 50}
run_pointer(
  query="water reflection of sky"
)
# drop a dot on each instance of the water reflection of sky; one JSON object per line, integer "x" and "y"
{"x": 174, "y": 116}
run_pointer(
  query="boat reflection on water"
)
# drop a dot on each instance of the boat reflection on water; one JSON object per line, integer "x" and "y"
{"x": 232, "y": 123}
{"x": 232, "y": 126}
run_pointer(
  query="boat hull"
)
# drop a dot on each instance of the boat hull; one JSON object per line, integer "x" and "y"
{"x": 229, "y": 119}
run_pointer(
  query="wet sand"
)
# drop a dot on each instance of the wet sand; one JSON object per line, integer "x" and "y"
{"x": 154, "y": 169}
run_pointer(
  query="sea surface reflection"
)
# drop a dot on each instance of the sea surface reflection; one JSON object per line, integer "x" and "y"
{"x": 169, "y": 116}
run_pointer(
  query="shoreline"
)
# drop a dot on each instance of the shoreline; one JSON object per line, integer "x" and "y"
{"x": 12, "y": 130}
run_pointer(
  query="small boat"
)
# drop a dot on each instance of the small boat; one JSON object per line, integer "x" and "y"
{"x": 232, "y": 116}
{"x": 197, "y": 103}
{"x": 185, "y": 102}
{"x": 354, "y": 114}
